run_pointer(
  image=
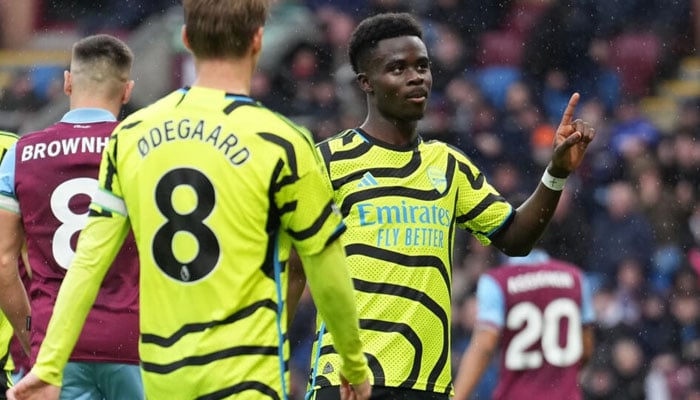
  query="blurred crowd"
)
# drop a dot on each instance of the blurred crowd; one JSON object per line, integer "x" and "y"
{"x": 503, "y": 72}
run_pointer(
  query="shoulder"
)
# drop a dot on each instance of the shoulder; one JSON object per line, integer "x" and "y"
{"x": 292, "y": 128}
{"x": 458, "y": 154}
{"x": 4, "y": 135}
{"x": 449, "y": 151}
{"x": 7, "y": 139}
{"x": 154, "y": 111}
{"x": 498, "y": 273}
{"x": 36, "y": 136}
{"x": 566, "y": 266}
{"x": 343, "y": 141}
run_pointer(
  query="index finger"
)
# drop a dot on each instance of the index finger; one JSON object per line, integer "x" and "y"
{"x": 569, "y": 112}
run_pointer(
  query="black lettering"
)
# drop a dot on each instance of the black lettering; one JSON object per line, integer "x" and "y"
{"x": 156, "y": 138}
{"x": 168, "y": 126}
{"x": 199, "y": 130}
{"x": 214, "y": 136}
{"x": 240, "y": 156}
{"x": 143, "y": 147}
{"x": 230, "y": 141}
{"x": 183, "y": 131}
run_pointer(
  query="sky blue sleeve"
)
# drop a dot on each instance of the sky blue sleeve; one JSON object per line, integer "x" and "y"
{"x": 490, "y": 300}
{"x": 587, "y": 312}
{"x": 7, "y": 172}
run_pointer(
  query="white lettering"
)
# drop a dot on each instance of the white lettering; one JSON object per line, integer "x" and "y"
{"x": 27, "y": 152}
{"x": 88, "y": 145}
{"x": 538, "y": 280}
{"x": 56, "y": 148}
{"x": 70, "y": 146}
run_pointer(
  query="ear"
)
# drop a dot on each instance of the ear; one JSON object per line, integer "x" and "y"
{"x": 127, "y": 92}
{"x": 67, "y": 83}
{"x": 256, "y": 44}
{"x": 364, "y": 83}
{"x": 185, "y": 42}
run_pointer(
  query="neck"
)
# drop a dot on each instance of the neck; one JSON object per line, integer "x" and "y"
{"x": 231, "y": 76}
{"x": 394, "y": 132}
{"x": 92, "y": 101}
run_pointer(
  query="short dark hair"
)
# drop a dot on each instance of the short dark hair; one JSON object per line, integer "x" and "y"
{"x": 373, "y": 29}
{"x": 104, "y": 52}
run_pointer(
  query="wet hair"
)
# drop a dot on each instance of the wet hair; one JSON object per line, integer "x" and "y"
{"x": 370, "y": 31}
{"x": 223, "y": 28}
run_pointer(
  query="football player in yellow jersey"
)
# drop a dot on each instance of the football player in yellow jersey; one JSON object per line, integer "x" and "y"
{"x": 401, "y": 199}
{"x": 7, "y": 139}
{"x": 217, "y": 189}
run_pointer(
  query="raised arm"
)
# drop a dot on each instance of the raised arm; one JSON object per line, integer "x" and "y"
{"x": 533, "y": 216}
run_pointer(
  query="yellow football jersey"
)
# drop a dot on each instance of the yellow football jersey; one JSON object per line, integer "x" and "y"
{"x": 217, "y": 189}
{"x": 401, "y": 207}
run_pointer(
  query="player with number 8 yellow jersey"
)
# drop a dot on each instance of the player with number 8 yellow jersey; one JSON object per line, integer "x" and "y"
{"x": 187, "y": 173}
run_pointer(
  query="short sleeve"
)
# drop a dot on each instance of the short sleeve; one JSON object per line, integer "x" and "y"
{"x": 491, "y": 303}
{"x": 481, "y": 210}
{"x": 587, "y": 310}
{"x": 8, "y": 199}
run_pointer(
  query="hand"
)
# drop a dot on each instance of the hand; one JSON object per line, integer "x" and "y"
{"x": 570, "y": 142}
{"x": 360, "y": 391}
{"x": 32, "y": 388}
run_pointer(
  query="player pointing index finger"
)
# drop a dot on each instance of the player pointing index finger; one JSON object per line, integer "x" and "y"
{"x": 402, "y": 199}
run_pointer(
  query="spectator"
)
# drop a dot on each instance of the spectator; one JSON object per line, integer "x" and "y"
{"x": 656, "y": 329}
{"x": 630, "y": 290}
{"x": 17, "y": 21}
{"x": 668, "y": 218}
{"x": 618, "y": 233}
{"x": 633, "y": 136}
{"x": 685, "y": 309}
{"x": 568, "y": 229}
{"x": 628, "y": 363}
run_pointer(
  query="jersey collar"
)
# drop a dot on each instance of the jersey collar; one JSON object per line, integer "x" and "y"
{"x": 371, "y": 139}
{"x": 88, "y": 115}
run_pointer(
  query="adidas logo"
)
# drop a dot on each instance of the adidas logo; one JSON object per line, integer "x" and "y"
{"x": 367, "y": 181}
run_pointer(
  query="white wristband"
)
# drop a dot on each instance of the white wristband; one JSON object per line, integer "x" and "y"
{"x": 554, "y": 183}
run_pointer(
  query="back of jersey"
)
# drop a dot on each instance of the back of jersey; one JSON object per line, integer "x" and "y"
{"x": 55, "y": 179}
{"x": 212, "y": 185}
{"x": 542, "y": 339}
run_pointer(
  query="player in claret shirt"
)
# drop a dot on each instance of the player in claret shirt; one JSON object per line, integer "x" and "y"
{"x": 47, "y": 181}
{"x": 539, "y": 309}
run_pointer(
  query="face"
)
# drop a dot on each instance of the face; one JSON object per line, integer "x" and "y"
{"x": 398, "y": 78}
